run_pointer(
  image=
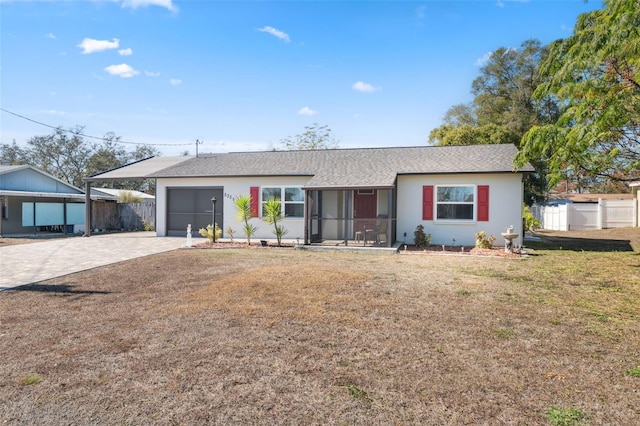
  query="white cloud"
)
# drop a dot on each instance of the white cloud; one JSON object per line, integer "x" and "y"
{"x": 276, "y": 33}
{"x": 134, "y": 4}
{"x": 484, "y": 59}
{"x": 307, "y": 111}
{"x": 51, "y": 36}
{"x": 122, "y": 70}
{"x": 481, "y": 61}
{"x": 361, "y": 86}
{"x": 152, "y": 74}
{"x": 90, "y": 45}
{"x": 125, "y": 52}
{"x": 175, "y": 82}
{"x": 53, "y": 112}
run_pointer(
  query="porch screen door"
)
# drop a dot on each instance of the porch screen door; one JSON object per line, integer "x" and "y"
{"x": 365, "y": 207}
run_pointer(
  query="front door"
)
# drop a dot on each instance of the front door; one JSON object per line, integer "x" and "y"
{"x": 365, "y": 207}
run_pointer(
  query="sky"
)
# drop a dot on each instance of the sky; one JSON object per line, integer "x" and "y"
{"x": 244, "y": 75}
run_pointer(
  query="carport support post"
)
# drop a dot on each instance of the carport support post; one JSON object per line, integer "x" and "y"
{"x": 87, "y": 209}
{"x": 213, "y": 223}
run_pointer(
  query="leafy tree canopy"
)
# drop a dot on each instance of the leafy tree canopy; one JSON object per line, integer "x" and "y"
{"x": 503, "y": 108}
{"x": 594, "y": 74}
{"x": 314, "y": 137}
{"x": 473, "y": 135}
{"x": 69, "y": 156}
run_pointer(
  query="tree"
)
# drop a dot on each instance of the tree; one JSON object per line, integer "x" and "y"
{"x": 473, "y": 135}
{"x": 504, "y": 90}
{"x": 461, "y": 115}
{"x": 314, "y": 137}
{"x": 595, "y": 76}
{"x": 13, "y": 154}
{"x": 503, "y": 108}
{"x": 67, "y": 155}
{"x": 109, "y": 155}
{"x": 64, "y": 154}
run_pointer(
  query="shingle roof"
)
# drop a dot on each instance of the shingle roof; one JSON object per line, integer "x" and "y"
{"x": 366, "y": 167}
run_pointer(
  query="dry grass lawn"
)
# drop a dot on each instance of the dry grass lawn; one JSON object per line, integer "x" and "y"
{"x": 283, "y": 336}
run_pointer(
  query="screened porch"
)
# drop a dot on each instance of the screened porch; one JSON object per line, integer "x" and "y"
{"x": 362, "y": 217}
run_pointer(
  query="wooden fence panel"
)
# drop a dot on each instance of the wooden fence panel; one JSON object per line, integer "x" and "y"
{"x": 137, "y": 216}
{"x": 104, "y": 215}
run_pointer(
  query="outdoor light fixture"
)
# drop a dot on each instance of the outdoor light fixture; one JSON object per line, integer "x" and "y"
{"x": 213, "y": 222}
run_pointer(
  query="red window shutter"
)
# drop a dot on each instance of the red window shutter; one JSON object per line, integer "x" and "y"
{"x": 483, "y": 203}
{"x": 427, "y": 202}
{"x": 254, "y": 192}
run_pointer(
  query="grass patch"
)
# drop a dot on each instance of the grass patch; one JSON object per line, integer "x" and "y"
{"x": 634, "y": 372}
{"x": 565, "y": 416}
{"x": 504, "y": 334}
{"x": 30, "y": 379}
{"x": 356, "y": 392}
{"x": 260, "y": 336}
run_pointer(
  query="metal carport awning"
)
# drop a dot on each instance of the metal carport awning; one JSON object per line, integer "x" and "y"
{"x": 140, "y": 170}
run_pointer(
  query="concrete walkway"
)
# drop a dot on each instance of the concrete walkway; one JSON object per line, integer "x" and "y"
{"x": 29, "y": 263}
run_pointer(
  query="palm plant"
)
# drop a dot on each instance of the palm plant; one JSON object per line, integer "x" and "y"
{"x": 243, "y": 210}
{"x": 273, "y": 215}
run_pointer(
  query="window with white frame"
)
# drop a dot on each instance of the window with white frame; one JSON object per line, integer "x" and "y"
{"x": 455, "y": 202}
{"x": 293, "y": 204}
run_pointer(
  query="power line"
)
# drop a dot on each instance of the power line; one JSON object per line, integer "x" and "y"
{"x": 89, "y": 136}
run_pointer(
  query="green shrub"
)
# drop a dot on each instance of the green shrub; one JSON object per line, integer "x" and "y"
{"x": 530, "y": 222}
{"x": 420, "y": 239}
{"x": 208, "y": 232}
{"x": 129, "y": 197}
{"x": 482, "y": 241}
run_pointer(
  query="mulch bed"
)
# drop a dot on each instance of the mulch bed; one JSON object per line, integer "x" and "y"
{"x": 459, "y": 250}
{"x": 406, "y": 249}
{"x": 237, "y": 244}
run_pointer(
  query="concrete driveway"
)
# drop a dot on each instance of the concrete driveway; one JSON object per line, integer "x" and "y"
{"x": 29, "y": 263}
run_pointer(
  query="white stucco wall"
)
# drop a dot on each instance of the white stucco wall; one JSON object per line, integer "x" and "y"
{"x": 505, "y": 208}
{"x": 232, "y": 187}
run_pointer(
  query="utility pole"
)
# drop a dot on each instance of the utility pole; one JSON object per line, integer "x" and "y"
{"x": 197, "y": 143}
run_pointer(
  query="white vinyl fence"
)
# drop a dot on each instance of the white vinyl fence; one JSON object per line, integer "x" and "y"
{"x": 588, "y": 216}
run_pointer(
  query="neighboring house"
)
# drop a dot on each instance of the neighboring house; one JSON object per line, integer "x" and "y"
{"x": 33, "y": 201}
{"x": 118, "y": 193}
{"x": 343, "y": 195}
{"x": 563, "y": 198}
